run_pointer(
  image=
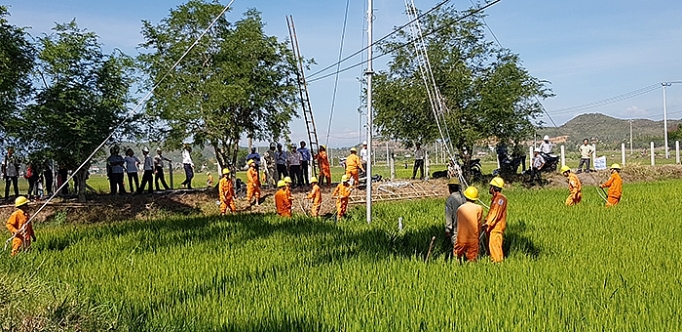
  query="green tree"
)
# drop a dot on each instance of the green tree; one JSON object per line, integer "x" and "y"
{"x": 236, "y": 81}
{"x": 83, "y": 101}
{"x": 488, "y": 94}
{"x": 16, "y": 64}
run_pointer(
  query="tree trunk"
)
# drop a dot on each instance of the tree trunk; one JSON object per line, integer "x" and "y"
{"x": 81, "y": 176}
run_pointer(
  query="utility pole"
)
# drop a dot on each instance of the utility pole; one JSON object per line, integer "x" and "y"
{"x": 630, "y": 136}
{"x": 369, "y": 73}
{"x": 665, "y": 119}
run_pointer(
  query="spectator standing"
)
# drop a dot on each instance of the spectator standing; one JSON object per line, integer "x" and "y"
{"x": 47, "y": 175}
{"x": 538, "y": 164}
{"x": 281, "y": 162}
{"x": 271, "y": 166}
{"x": 255, "y": 156}
{"x": 62, "y": 176}
{"x": 294, "y": 163}
{"x": 586, "y": 151}
{"x": 305, "y": 162}
{"x": 10, "y": 170}
{"x": 115, "y": 171}
{"x": 148, "y": 168}
{"x": 159, "y": 161}
{"x": 33, "y": 176}
{"x": 188, "y": 165}
{"x": 363, "y": 155}
{"x": 419, "y": 155}
{"x": 546, "y": 147}
{"x": 131, "y": 169}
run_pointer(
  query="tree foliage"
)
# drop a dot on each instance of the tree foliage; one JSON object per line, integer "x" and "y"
{"x": 16, "y": 64}
{"x": 236, "y": 80}
{"x": 83, "y": 101}
{"x": 487, "y": 92}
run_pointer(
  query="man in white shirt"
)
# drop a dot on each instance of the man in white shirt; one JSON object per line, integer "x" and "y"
{"x": 586, "y": 151}
{"x": 188, "y": 165}
{"x": 10, "y": 171}
{"x": 147, "y": 176}
{"x": 538, "y": 163}
{"x": 294, "y": 163}
{"x": 363, "y": 155}
{"x": 159, "y": 160}
{"x": 546, "y": 146}
{"x": 419, "y": 155}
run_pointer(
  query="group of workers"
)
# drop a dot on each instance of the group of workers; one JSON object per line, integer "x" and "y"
{"x": 614, "y": 183}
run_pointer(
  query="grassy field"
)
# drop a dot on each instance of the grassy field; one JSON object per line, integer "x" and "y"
{"x": 581, "y": 268}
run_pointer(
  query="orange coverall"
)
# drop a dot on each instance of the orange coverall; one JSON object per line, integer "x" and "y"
{"x": 252, "y": 184}
{"x": 324, "y": 167}
{"x": 615, "y": 184}
{"x": 316, "y": 195}
{"x": 283, "y": 203}
{"x": 497, "y": 223}
{"x": 353, "y": 163}
{"x": 575, "y": 187}
{"x": 342, "y": 192}
{"x": 15, "y": 222}
{"x": 226, "y": 193}
{"x": 469, "y": 217}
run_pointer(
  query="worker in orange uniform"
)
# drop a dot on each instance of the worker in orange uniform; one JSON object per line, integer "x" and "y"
{"x": 226, "y": 193}
{"x": 615, "y": 185}
{"x": 496, "y": 221}
{"x": 17, "y": 225}
{"x": 283, "y": 200}
{"x": 353, "y": 164}
{"x": 341, "y": 193}
{"x": 574, "y": 187}
{"x": 316, "y": 195}
{"x": 469, "y": 218}
{"x": 252, "y": 183}
{"x": 323, "y": 161}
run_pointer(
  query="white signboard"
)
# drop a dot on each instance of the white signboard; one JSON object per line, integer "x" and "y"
{"x": 600, "y": 163}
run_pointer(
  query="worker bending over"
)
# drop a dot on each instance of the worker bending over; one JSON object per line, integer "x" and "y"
{"x": 316, "y": 196}
{"x": 341, "y": 193}
{"x": 17, "y": 225}
{"x": 615, "y": 185}
{"x": 469, "y": 217}
{"x": 496, "y": 221}
{"x": 353, "y": 164}
{"x": 574, "y": 187}
{"x": 252, "y": 183}
{"x": 226, "y": 193}
{"x": 283, "y": 200}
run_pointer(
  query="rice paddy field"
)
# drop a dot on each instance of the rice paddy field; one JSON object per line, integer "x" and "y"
{"x": 583, "y": 268}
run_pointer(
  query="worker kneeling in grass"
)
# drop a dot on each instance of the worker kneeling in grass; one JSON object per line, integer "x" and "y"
{"x": 316, "y": 196}
{"x": 226, "y": 192}
{"x": 17, "y": 225}
{"x": 283, "y": 200}
{"x": 341, "y": 193}
{"x": 574, "y": 187}
{"x": 496, "y": 221}
{"x": 615, "y": 185}
{"x": 469, "y": 217}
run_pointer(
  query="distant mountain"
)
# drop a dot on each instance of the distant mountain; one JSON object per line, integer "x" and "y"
{"x": 606, "y": 129}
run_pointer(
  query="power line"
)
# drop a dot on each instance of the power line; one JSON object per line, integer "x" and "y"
{"x": 336, "y": 80}
{"x": 603, "y": 102}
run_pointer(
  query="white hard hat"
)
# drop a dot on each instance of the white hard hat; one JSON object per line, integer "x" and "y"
{"x": 145, "y": 149}
{"x": 364, "y": 143}
{"x": 546, "y": 138}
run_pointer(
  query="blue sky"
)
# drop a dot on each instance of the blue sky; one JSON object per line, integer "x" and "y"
{"x": 588, "y": 50}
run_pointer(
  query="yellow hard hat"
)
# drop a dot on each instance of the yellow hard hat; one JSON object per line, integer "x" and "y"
{"x": 313, "y": 179}
{"x": 250, "y": 162}
{"x": 471, "y": 193}
{"x": 344, "y": 178}
{"x": 281, "y": 184}
{"x": 225, "y": 171}
{"x": 497, "y": 182}
{"x": 323, "y": 147}
{"x": 453, "y": 181}
{"x": 19, "y": 201}
{"x": 287, "y": 179}
{"x": 615, "y": 166}
{"x": 564, "y": 169}
{"x": 353, "y": 150}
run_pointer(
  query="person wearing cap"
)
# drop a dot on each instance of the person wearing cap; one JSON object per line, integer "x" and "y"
{"x": 270, "y": 166}
{"x": 496, "y": 221}
{"x": 252, "y": 183}
{"x": 363, "y": 155}
{"x": 469, "y": 217}
{"x": 419, "y": 155}
{"x": 305, "y": 162}
{"x": 294, "y": 165}
{"x": 546, "y": 146}
{"x": 281, "y": 162}
{"x": 323, "y": 162}
{"x": 452, "y": 203}
{"x": 574, "y": 187}
{"x": 159, "y": 160}
{"x": 283, "y": 200}
{"x": 115, "y": 171}
{"x": 538, "y": 164}
{"x": 226, "y": 193}
{"x": 586, "y": 151}
{"x": 615, "y": 185}
{"x": 147, "y": 176}
{"x": 342, "y": 193}
{"x": 315, "y": 195}
{"x": 353, "y": 163}
{"x": 188, "y": 166}
{"x": 17, "y": 224}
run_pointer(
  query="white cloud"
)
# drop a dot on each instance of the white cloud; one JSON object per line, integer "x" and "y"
{"x": 634, "y": 111}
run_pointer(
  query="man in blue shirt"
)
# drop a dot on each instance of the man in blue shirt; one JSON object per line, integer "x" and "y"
{"x": 305, "y": 161}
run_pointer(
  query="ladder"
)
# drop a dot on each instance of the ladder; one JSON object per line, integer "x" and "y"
{"x": 303, "y": 93}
